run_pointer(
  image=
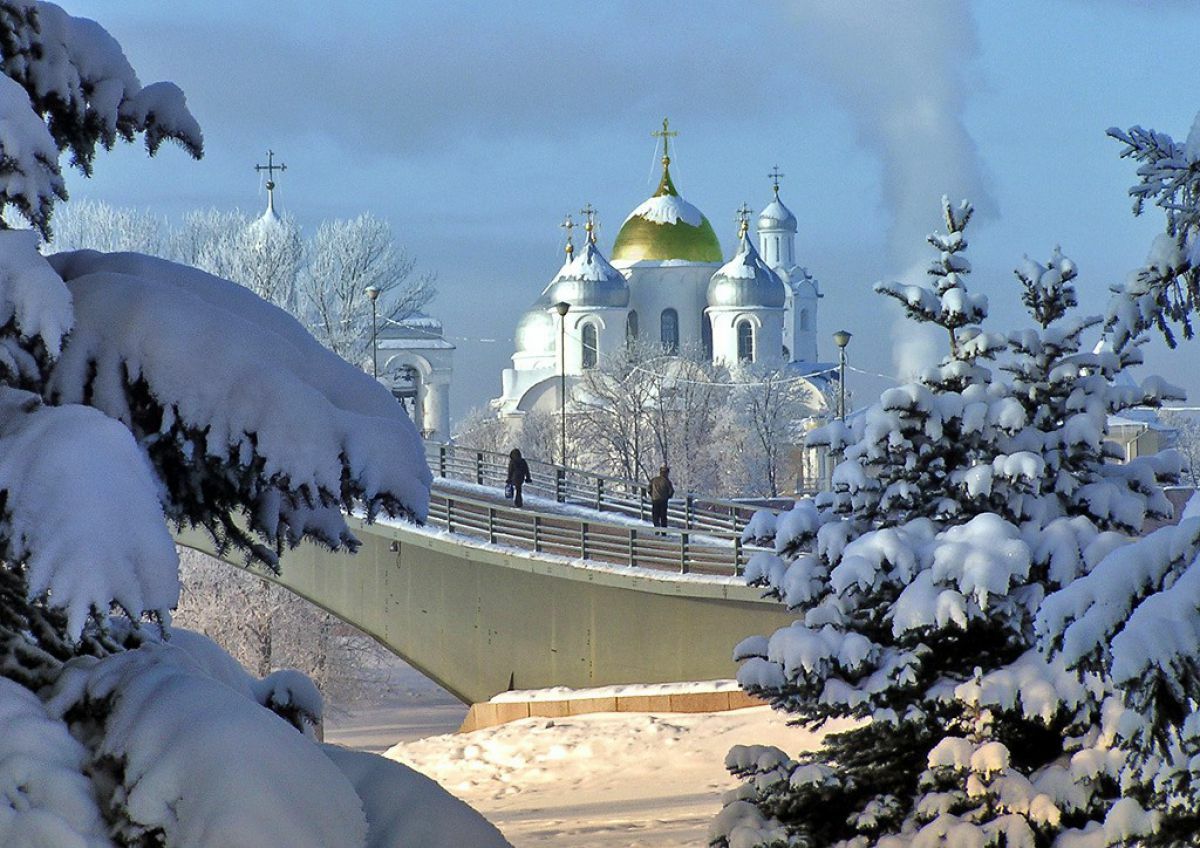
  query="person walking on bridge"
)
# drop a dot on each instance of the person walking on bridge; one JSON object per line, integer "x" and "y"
{"x": 661, "y": 491}
{"x": 518, "y": 475}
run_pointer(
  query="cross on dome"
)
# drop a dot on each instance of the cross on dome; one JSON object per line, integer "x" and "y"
{"x": 590, "y": 225}
{"x": 743, "y": 219}
{"x": 666, "y": 134}
{"x": 568, "y": 224}
{"x": 775, "y": 176}
{"x": 271, "y": 168}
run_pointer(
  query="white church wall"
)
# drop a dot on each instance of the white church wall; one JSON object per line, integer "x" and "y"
{"x": 682, "y": 287}
{"x": 767, "y": 325}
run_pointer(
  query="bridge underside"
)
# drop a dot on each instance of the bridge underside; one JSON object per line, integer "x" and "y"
{"x": 479, "y": 620}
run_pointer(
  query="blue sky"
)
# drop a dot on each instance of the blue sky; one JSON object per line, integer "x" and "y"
{"x": 473, "y": 128}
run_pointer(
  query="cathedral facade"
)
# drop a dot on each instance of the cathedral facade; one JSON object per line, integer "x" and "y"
{"x": 667, "y": 280}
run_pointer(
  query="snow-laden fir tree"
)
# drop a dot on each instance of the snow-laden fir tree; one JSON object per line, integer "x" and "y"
{"x": 136, "y": 392}
{"x": 922, "y": 434}
{"x": 917, "y": 584}
{"x": 1135, "y": 619}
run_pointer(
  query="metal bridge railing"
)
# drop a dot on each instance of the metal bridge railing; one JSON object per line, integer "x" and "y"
{"x": 584, "y": 488}
{"x": 680, "y": 551}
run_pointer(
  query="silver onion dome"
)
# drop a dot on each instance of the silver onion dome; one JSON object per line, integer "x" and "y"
{"x": 536, "y": 331}
{"x": 589, "y": 281}
{"x": 746, "y": 282}
{"x": 776, "y": 216}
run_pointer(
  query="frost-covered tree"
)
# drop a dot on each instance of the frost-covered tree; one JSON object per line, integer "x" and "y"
{"x": 266, "y": 628}
{"x": 321, "y": 280}
{"x": 918, "y": 585}
{"x": 612, "y": 411}
{"x": 1185, "y": 438}
{"x": 265, "y": 255}
{"x": 768, "y": 406}
{"x": 135, "y": 393}
{"x": 96, "y": 225}
{"x": 345, "y": 259}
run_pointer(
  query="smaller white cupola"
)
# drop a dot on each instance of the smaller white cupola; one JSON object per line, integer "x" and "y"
{"x": 746, "y": 301}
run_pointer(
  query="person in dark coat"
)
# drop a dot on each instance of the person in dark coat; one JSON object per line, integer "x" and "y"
{"x": 661, "y": 491}
{"x": 518, "y": 474}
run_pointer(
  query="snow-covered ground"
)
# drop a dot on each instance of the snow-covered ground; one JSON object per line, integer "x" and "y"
{"x": 595, "y": 781}
{"x": 413, "y": 708}
{"x": 603, "y": 780}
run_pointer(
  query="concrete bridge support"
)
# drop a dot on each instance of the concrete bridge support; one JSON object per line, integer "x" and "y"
{"x": 479, "y": 619}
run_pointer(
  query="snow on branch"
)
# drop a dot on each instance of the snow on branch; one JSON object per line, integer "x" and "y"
{"x": 279, "y": 431}
{"x": 68, "y": 86}
{"x": 185, "y": 760}
{"x": 72, "y": 461}
{"x": 1166, "y": 290}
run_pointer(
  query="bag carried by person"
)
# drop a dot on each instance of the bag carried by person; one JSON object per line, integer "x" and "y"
{"x": 509, "y": 491}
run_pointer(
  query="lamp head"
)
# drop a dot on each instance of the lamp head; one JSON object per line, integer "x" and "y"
{"x": 841, "y": 338}
{"x": 373, "y": 293}
{"x": 562, "y": 308}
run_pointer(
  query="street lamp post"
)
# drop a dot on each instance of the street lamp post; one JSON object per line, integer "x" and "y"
{"x": 562, "y": 308}
{"x": 373, "y": 294}
{"x": 841, "y": 338}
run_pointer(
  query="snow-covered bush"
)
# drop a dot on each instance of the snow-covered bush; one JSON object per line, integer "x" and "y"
{"x": 136, "y": 392}
{"x": 959, "y": 502}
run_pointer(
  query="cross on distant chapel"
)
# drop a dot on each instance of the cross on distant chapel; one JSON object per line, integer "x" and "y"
{"x": 271, "y": 168}
{"x": 775, "y": 176}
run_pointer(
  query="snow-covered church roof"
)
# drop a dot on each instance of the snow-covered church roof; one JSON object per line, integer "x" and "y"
{"x": 746, "y": 281}
{"x": 666, "y": 227}
{"x": 776, "y": 216}
{"x": 590, "y": 280}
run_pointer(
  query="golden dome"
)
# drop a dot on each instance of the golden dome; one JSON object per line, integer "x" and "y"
{"x": 666, "y": 227}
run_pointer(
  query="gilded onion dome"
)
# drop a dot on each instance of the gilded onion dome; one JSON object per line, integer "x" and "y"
{"x": 666, "y": 226}
{"x": 745, "y": 281}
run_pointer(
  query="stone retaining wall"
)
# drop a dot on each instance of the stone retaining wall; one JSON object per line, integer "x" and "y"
{"x": 491, "y": 713}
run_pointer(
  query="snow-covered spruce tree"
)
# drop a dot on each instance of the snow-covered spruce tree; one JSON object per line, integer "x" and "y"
{"x": 1135, "y": 618}
{"x": 917, "y": 587}
{"x": 134, "y": 391}
{"x": 908, "y": 447}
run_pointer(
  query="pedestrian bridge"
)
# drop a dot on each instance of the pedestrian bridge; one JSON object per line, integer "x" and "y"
{"x": 486, "y": 598}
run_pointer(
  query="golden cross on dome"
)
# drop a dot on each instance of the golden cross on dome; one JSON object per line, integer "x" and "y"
{"x": 775, "y": 177}
{"x": 743, "y": 219}
{"x": 568, "y": 224}
{"x": 666, "y": 134}
{"x": 590, "y": 225}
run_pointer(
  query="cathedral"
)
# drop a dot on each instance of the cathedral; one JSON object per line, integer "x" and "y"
{"x": 666, "y": 279}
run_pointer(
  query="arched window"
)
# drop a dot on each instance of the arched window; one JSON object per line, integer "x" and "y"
{"x": 804, "y": 320}
{"x": 669, "y": 330}
{"x": 631, "y": 327}
{"x": 591, "y": 346}
{"x": 745, "y": 341}
{"x": 706, "y": 336}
